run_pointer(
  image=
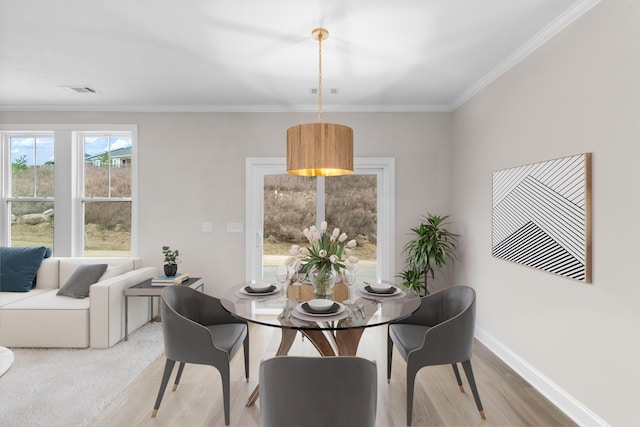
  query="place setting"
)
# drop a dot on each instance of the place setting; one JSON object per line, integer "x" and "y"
{"x": 379, "y": 291}
{"x": 319, "y": 310}
{"x": 258, "y": 289}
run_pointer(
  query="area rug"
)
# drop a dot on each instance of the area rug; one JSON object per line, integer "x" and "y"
{"x": 71, "y": 387}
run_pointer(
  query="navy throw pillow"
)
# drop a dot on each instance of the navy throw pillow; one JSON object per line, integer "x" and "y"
{"x": 18, "y": 267}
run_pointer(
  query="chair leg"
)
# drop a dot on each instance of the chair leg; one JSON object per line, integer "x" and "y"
{"x": 168, "y": 367}
{"x": 226, "y": 385}
{"x": 389, "y": 357}
{"x": 246, "y": 355}
{"x": 178, "y": 376}
{"x": 411, "y": 381}
{"x": 458, "y": 379}
{"x": 472, "y": 383}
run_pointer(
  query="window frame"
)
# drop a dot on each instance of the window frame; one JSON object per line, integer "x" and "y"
{"x": 69, "y": 182}
{"x": 80, "y": 141}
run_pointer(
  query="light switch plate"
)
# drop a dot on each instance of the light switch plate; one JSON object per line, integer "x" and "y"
{"x": 234, "y": 227}
{"x": 206, "y": 227}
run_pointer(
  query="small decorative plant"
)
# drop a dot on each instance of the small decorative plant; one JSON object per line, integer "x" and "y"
{"x": 429, "y": 251}
{"x": 171, "y": 260}
{"x": 170, "y": 257}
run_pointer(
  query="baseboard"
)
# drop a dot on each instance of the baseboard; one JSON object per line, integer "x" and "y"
{"x": 560, "y": 398}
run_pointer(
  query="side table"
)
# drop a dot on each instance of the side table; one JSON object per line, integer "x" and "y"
{"x": 146, "y": 289}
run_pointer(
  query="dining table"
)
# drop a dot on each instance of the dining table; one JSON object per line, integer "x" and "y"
{"x": 335, "y": 332}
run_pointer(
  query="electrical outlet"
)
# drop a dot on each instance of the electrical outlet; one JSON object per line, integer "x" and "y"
{"x": 206, "y": 227}
{"x": 234, "y": 227}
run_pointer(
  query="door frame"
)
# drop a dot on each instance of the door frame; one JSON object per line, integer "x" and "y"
{"x": 257, "y": 167}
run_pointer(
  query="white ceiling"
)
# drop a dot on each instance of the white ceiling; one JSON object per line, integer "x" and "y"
{"x": 258, "y": 55}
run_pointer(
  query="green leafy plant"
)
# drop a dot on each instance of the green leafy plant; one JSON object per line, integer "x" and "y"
{"x": 171, "y": 257}
{"x": 19, "y": 164}
{"x": 429, "y": 251}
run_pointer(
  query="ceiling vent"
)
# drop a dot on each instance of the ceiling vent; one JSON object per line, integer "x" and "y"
{"x": 79, "y": 89}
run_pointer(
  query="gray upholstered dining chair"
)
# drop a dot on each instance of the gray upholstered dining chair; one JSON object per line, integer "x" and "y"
{"x": 318, "y": 392}
{"x": 197, "y": 329}
{"x": 440, "y": 332}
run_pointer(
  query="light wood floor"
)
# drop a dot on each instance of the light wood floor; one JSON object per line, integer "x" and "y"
{"x": 507, "y": 399}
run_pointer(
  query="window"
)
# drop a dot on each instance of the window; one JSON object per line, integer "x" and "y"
{"x": 30, "y": 198}
{"x": 90, "y": 171}
{"x": 106, "y": 198}
{"x": 280, "y": 205}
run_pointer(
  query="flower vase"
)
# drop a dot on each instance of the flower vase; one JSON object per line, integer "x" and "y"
{"x": 322, "y": 283}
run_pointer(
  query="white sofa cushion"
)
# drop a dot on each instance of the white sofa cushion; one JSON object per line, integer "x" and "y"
{"x": 68, "y": 265}
{"x": 113, "y": 271}
{"x": 46, "y": 319}
{"x": 11, "y": 297}
{"x": 49, "y": 301}
{"x": 48, "y": 274}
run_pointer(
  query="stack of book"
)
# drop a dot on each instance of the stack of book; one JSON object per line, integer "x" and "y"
{"x": 170, "y": 280}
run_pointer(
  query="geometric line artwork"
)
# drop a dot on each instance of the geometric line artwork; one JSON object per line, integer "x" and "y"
{"x": 541, "y": 216}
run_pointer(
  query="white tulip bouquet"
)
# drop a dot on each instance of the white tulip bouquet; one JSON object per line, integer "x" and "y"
{"x": 324, "y": 253}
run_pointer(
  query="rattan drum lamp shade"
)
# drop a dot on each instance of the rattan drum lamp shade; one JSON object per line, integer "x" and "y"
{"x": 320, "y": 149}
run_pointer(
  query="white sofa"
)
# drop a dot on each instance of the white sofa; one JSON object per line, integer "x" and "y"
{"x": 40, "y": 318}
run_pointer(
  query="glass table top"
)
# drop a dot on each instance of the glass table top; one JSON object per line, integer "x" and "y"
{"x": 284, "y": 306}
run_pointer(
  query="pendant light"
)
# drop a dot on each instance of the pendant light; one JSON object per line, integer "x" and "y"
{"x": 320, "y": 149}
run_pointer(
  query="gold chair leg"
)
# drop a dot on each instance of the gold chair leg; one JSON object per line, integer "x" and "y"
{"x": 482, "y": 415}
{"x": 153, "y": 414}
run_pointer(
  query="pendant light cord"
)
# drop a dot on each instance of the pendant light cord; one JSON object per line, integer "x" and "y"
{"x": 320, "y": 78}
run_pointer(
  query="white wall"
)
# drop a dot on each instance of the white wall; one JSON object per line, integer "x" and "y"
{"x": 192, "y": 170}
{"x": 578, "y": 93}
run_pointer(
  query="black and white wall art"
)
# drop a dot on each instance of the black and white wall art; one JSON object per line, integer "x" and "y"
{"x": 542, "y": 216}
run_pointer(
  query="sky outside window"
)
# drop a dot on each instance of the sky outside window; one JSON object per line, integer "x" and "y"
{"x": 23, "y": 147}
{"x": 94, "y": 145}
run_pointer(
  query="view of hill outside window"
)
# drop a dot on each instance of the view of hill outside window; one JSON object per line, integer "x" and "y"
{"x": 290, "y": 205}
{"x": 107, "y": 195}
{"x": 351, "y": 204}
{"x": 32, "y": 190}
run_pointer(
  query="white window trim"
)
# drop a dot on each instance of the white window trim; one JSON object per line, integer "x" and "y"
{"x": 256, "y": 167}
{"x": 69, "y": 223}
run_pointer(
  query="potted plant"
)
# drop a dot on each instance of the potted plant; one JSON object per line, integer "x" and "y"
{"x": 429, "y": 251}
{"x": 171, "y": 260}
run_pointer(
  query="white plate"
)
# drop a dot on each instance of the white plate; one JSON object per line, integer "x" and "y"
{"x": 341, "y": 308}
{"x": 260, "y": 294}
{"x": 375, "y": 294}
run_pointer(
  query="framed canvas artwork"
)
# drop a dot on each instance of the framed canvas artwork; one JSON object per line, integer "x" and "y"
{"x": 541, "y": 216}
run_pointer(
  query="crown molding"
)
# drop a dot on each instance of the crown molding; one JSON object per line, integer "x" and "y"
{"x": 225, "y": 108}
{"x": 543, "y": 36}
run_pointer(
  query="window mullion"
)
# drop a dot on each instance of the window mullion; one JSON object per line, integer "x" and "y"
{"x": 320, "y": 200}
{"x": 64, "y": 231}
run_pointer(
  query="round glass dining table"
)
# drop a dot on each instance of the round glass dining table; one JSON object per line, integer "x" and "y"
{"x": 334, "y": 333}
